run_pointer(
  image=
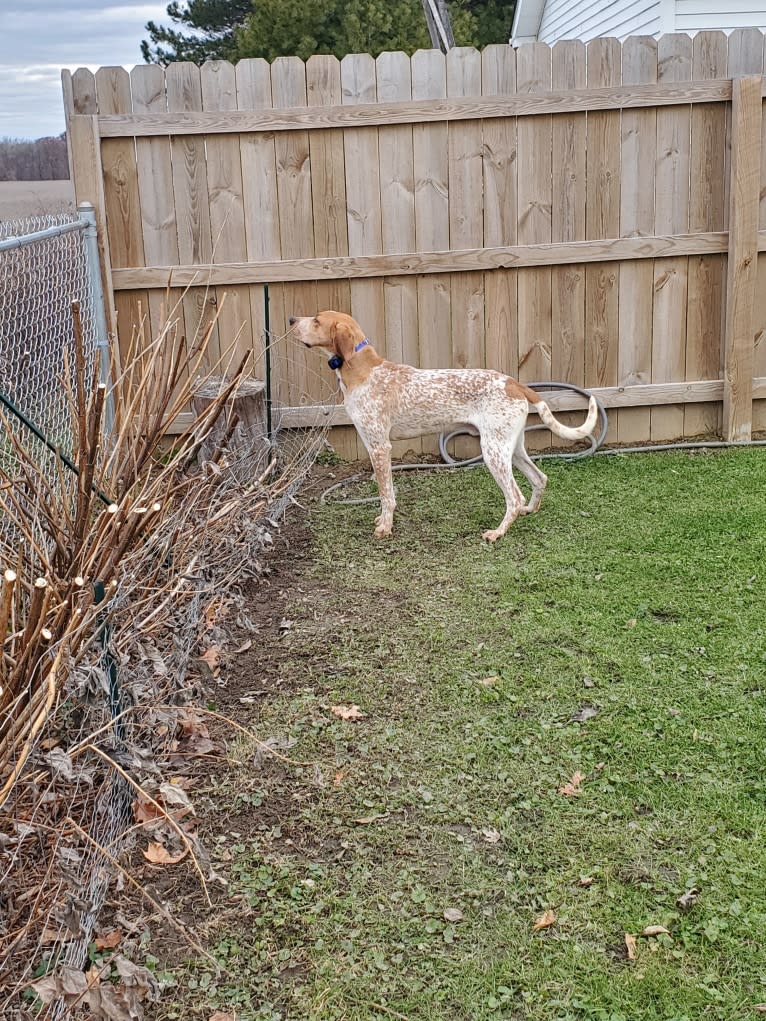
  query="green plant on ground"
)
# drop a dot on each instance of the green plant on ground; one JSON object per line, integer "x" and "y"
{"x": 553, "y": 805}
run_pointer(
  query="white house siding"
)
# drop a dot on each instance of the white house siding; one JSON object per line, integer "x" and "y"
{"x": 563, "y": 19}
{"x": 698, "y": 15}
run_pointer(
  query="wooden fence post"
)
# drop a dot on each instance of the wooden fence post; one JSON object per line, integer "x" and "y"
{"x": 742, "y": 266}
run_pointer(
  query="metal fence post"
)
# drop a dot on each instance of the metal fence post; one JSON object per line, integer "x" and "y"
{"x": 87, "y": 213}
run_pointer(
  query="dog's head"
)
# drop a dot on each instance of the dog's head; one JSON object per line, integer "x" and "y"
{"x": 335, "y": 333}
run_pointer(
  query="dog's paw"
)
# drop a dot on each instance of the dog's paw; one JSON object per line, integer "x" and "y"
{"x": 492, "y": 535}
{"x": 383, "y": 529}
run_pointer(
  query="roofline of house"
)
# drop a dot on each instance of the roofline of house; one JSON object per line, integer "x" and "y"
{"x": 526, "y": 21}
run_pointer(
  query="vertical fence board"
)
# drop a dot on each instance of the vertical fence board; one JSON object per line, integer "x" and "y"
{"x": 257, "y": 153}
{"x": 568, "y": 219}
{"x": 84, "y": 148}
{"x": 123, "y": 208}
{"x": 602, "y": 221}
{"x": 533, "y": 74}
{"x": 674, "y": 54}
{"x": 429, "y": 81}
{"x": 706, "y": 212}
{"x": 227, "y": 214}
{"x": 363, "y": 195}
{"x": 155, "y": 190}
{"x": 397, "y": 203}
{"x": 296, "y": 223}
{"x": 639, "y": 66}
{"x": 743, "y": 258}
{"x": 500, "y": 206}
{"x": 190, "y": 193}
{"x": 328, "y": 190}
{"x": 466, "y": 210}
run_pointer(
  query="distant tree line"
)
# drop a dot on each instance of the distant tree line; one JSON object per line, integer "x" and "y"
{"x": 44, "y": 159}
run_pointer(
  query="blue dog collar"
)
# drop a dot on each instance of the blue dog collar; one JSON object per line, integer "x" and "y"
{"x": 336, "y": 361}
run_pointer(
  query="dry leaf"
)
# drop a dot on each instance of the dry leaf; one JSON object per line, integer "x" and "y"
{"x": 367, "y": 819}
{"x": 453, "y": 915}
{"x": 545, "y": 921}
{"x": 158, "y": 854}
{"x": 688, "y": 900}
{"x": 145, "y": 811}
{"x": 220, "y": 1015}
{"x": 586, "y": 713}
{"x": 632, "y": 622}
{"x": 337, "y": 780}
{"x": 630, "y": 946}
{"x": 585, "y": 881}
{"x": 489, "y": 681}
{"x": 110, "y": 941}
{"x": 760, "y": 1008}
{"x": 347, "y": 712}
{"x": 490, "y": 836}
{"x": 244, "y": 647}
{"x": 573, "y": 786}
{"x": 655, "y": 930}
{"x": 212, "y": 656}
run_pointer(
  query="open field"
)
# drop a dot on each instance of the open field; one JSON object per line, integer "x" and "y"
{"x": 560, "y": 743}
{"x": 34, "y": 198}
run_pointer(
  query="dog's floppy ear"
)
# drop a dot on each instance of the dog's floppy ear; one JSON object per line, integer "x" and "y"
{"x": 343, "y": 340}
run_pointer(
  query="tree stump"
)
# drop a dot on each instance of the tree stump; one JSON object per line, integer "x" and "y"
{"x": 245, "y": 453}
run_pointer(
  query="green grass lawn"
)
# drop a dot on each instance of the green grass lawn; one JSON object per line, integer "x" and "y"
{"x": 401, "y": 861}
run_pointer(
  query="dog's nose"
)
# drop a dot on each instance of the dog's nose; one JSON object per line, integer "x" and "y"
{"x": 292, "y": 320}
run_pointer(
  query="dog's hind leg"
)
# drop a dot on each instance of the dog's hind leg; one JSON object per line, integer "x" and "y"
{"x": 537, "y": 479}
{"x": 497, "y": 447}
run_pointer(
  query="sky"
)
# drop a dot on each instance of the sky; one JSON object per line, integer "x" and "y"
{"x": 38, "y": 38}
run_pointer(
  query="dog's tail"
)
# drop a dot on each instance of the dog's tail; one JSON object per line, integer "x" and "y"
{"x": 564, "y": 431}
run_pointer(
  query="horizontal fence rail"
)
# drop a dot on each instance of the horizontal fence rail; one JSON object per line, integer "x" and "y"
{"x": 588, "y": 213}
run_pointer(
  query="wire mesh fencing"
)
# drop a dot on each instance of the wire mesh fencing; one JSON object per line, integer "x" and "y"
{"x": 130, "y": 592}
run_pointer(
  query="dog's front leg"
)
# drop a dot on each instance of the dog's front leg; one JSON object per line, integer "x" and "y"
{"x": 380, "y": 455}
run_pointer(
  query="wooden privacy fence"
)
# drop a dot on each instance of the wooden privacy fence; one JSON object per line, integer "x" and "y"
{"x": 587, "y": 213}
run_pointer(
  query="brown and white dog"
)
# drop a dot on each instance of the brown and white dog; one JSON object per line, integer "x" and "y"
{"x": 388, "y": 401}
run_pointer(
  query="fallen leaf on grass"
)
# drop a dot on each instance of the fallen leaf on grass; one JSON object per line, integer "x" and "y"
{"x": 760, "y": 1008}
{"x": 219, "y": 1015}
{"x": 367, "y": 819}
{"x": 586, "y": 713}
{"x": 687, "y": 900}
{"x": 489, "y": 681}
{"x": 573, "y": 786}
{"x": 545, "y": 921}
{"x": 244, "y": 647}
{"x": 347, "y": 712}
{"x": 110, "y": 941}
{"x": 337, "y": 780}
{"x": 490, "y": 836}
{"x": 158, "y": 854}
{"x": 630, "y": 946}
{"x": 586, "y": 881}
{"x": 453, "y": 915}
{"x": 655, "y": 930}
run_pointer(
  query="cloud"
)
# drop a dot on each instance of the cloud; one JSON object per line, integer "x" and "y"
{"x": 45, "y": 36}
